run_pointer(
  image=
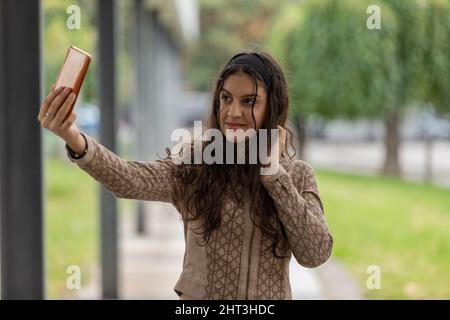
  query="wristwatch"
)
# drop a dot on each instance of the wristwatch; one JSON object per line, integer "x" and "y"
{"x": 75, "y": 155}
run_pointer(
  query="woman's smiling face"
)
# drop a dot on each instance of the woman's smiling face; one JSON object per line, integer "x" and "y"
{"x": 236, "y": 100}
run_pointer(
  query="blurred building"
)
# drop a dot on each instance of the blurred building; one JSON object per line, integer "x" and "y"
{"x": 162, "y": 29}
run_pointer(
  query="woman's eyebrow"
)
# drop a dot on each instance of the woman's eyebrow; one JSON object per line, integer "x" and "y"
{"x": 245, "y": 95}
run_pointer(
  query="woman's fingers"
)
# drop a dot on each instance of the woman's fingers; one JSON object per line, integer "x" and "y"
{"x": 46, "y": 103}
{"x": 55, "y": 105}
{"x": 58, "y": 101}
{"x": 282, "y": 133}
{"x": 62, "y": 112}
{"x": 282, "y": 138}
{"x": 70, "y": 120}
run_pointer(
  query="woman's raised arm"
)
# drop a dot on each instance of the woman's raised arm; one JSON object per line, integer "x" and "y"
{"x": 125, "y": 179}
{"x": 140, "y": 180}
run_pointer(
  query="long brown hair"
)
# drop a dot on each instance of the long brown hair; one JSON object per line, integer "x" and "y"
{"x": 206, "y": 183}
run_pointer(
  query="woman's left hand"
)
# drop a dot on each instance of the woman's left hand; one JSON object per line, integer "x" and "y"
{"x": 281, "y": 148}
{"x": 281, "y": 145}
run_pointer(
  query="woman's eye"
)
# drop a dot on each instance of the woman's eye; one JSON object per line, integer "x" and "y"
{"x": 224, "y": 97}
{"x": 249, "y": 101}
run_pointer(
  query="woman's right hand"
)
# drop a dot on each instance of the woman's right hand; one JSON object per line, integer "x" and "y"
{"x": 52, "y": 113}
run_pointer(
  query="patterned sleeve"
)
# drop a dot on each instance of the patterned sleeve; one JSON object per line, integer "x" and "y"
{"x": 301, "y": 212}
{"x": 127, "y": 179}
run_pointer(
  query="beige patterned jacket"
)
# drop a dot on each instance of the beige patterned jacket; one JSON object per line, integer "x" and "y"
{"x": 232, "y": 265}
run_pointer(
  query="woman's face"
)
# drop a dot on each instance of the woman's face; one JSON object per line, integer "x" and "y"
{"x": 236, "y": 99}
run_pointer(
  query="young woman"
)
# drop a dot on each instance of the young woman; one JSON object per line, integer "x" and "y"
{"x": 241, "y": 226}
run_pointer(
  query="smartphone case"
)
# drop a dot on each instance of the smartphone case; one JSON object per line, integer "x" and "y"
{"x": 73, "y": 71}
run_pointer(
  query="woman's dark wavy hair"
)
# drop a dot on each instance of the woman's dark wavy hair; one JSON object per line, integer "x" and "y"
{"x": 205, "y": 184}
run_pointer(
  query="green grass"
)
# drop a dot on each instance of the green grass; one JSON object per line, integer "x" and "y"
{"x": 71, "y": 225}
{"x": 402, "y": 227}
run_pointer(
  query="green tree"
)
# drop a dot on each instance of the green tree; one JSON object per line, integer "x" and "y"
{"x": 279, "y": 44}
{"x": 409, "y": 57}
{"x": 436, "y": 57}
{"x": 341, "y": 68}
{"x": 435, "y": 67}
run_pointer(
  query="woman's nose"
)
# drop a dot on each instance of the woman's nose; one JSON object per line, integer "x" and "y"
{"x": 235, "y": 110}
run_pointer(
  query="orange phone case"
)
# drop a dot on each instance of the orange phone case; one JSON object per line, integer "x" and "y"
{"x": 73, "y": 71}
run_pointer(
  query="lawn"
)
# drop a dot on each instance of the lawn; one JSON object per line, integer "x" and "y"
{"x": 402, "y": 227}
{"x": 71, "y": 225}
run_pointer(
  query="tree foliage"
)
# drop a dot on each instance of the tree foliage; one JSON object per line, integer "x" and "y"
{"x": 226, "y": 26}
{"x": 341, "y": 68}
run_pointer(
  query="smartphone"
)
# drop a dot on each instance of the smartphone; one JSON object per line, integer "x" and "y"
{"x": 73, "y": 71}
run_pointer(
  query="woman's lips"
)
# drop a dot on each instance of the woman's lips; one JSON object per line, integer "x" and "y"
{"x": 233, "y": 125}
